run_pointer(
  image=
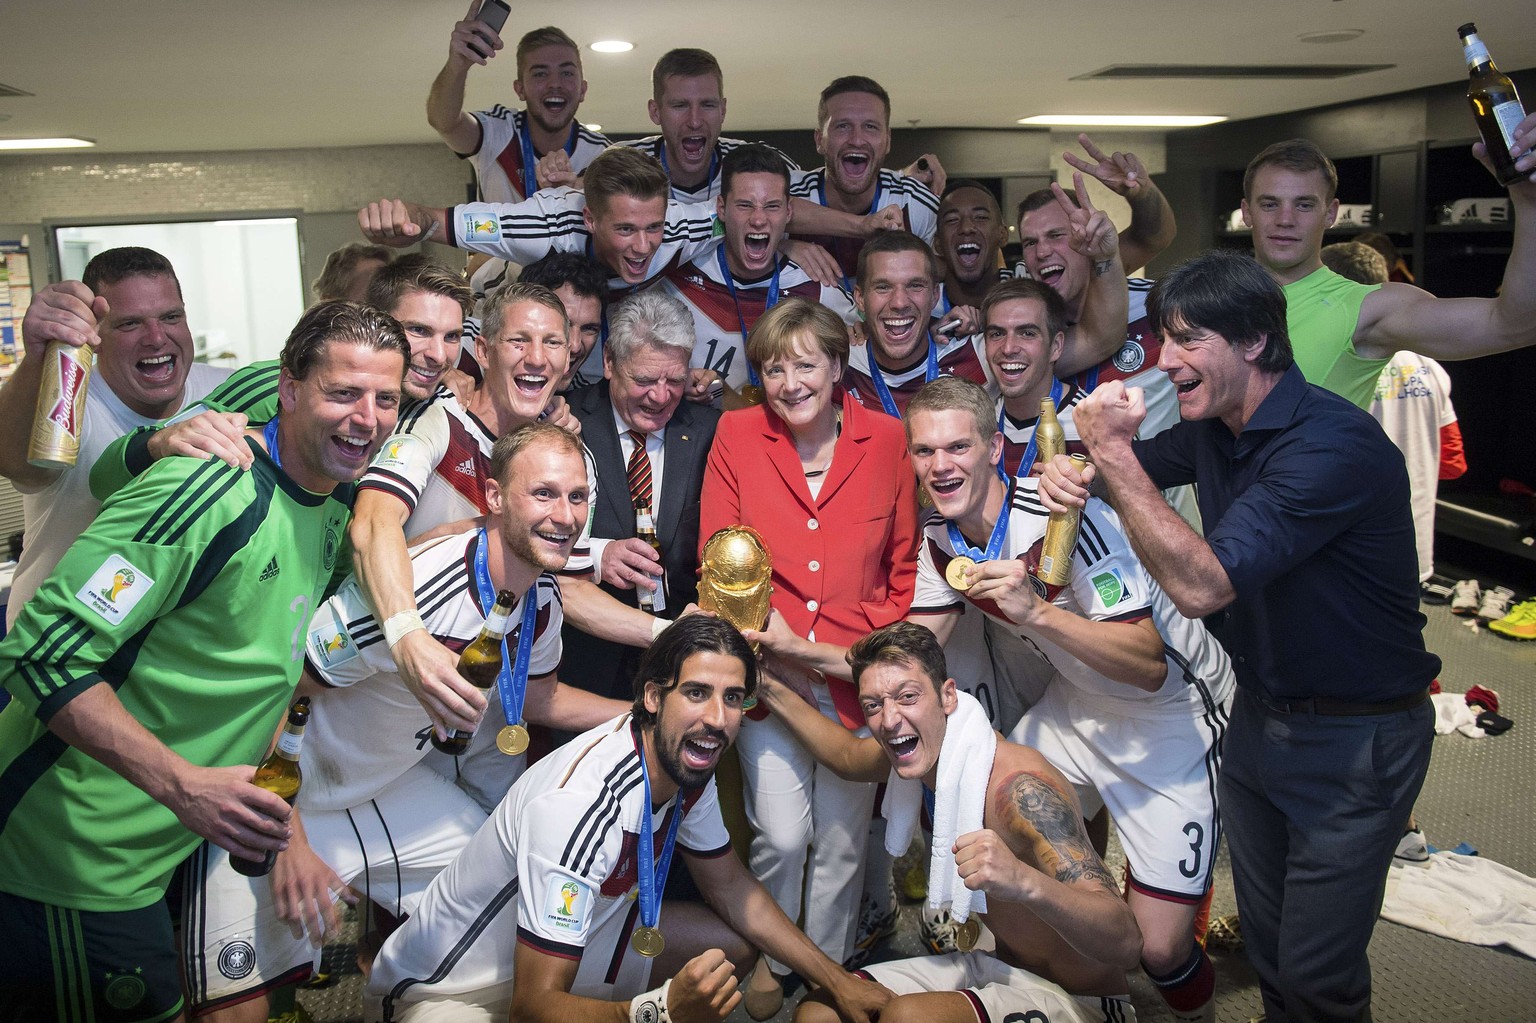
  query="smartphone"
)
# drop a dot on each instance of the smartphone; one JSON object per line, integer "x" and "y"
{"x": 493, "y": 13}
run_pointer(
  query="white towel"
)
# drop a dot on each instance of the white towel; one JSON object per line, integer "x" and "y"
{"x": 1469, "y": 898}
{"x": 1452, "y": 714}
{"x": 960, "y": 799}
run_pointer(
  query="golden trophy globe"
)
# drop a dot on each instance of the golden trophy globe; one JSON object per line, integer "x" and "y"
{"x": 735, "y": 576}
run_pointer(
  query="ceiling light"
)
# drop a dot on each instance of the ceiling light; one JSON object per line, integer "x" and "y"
{"x": 63, "y": 143}
{"x": 613, "y": 46}
{"x": 1126, "y": 120}
{"x": 1342, "y": 35}
{"x": 594, "y": 127}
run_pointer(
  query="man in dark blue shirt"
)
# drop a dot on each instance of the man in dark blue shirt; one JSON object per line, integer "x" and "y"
{"x": 1307, "y": 574}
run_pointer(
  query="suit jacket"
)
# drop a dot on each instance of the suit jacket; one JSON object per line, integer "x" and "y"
{"x": 608, "y": 668}
{"x": 844, "y": 562}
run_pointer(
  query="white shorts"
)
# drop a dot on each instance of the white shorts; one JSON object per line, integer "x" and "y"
{"x": 1156, "y": 773}
{"x": 998, "y": 992}
{"x": 234, "y": 945}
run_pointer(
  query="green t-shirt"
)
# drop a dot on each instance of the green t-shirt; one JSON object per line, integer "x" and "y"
{"x": 190, "y": 595}
{"x": 1322, "y": 311}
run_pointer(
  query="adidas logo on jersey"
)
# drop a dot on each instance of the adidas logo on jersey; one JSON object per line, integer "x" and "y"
{"x": 270, "y": 572}
{"x": 466, "y": 467}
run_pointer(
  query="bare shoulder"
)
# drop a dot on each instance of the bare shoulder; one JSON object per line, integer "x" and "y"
{"x": 1035, "y": 810}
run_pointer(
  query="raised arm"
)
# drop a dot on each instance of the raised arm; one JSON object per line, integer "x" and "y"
{"x": 1153, "y": 227}
{"x": 66, "y": 312}
{"x": 1400, "y": 316}
{"x": 1100, "y": 327}
{"x": 847, "y": 755}
{"x": 550, "y": 702}
{"x": 473, "y": 42}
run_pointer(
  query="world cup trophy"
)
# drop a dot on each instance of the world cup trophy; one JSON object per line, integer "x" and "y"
{"x": 734, "y": 577}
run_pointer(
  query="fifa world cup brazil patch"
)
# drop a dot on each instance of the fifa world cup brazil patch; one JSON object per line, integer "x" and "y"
{"x": 479, "y": 227}
{"x": 114, "y": 589}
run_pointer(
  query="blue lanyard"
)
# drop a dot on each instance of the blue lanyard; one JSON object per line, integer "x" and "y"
{"x": 1092, "y": 380}
{"x": 653, "y": 874}
{"x": 1033, "y": 447}
{"x": 958, "y": 544}
{"x": 730, "y": 285}
{"x": 512, "y": 682}
{"x": 270, "y": 436}
{"x": 886, "y": 401}
{"x": 714, "y": 164}
{"x": 530, "y": 179}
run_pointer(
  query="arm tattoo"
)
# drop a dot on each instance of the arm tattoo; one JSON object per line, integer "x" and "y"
{"x": 1058, "y": 822}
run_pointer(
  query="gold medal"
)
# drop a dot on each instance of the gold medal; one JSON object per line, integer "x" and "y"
{"x": 648, "y": 942}
{"x": 751, "y": 394}
{"x": 512, "y": 740}
{"x": 955, "y": 571}
{"x": 924, "y": 499}
{"x": 967, "y": 934}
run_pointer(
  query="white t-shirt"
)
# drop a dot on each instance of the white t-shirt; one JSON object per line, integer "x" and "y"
{"x": 58, "y": 513}
{"x": 709, "y": 189}
{"x": 367, "y": 729}
{"x": 1413, "y": 404}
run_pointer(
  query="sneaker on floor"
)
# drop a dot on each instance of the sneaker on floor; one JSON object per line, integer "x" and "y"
{"x": 876, "y": 923}
{"x": 1466, "y": 595}
{"x": 1435, "y": 590}
{"x": 1520, "y": 623}
{"x": 1411, "y": 848}
{"x": 938, "y": 932}
{"x": 1496, "y": 603}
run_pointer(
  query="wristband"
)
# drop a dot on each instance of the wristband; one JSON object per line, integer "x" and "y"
{"x": 400, "y": 624}
{"x": 658, "y": 626}
{"x": 650, "y": 1007}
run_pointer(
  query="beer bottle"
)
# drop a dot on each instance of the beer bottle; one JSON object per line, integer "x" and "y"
{"x": 1060, "y": 537}
{"x": 1050, "y": 438}
{"x": 56, "y": 424}
{"x": 279, "y": 773}
{"x": 1495, "y": 104}
{"x": 651, "y": 601}
{"x": 480, "y": 663}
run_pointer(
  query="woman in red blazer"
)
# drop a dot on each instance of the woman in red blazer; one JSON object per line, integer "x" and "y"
{"x": 830, "y": 487}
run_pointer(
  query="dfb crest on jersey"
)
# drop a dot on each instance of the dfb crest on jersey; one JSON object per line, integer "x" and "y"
{"x": 1130, "y": 357}
{"x": 237, "y": 959}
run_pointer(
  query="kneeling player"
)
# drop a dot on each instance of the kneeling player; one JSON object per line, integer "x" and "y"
{"x": 552, "y": 912}
{"x": 380, "y": 812}
{"x": 1138, "y": 704}
{"x": 1063, "y": 937}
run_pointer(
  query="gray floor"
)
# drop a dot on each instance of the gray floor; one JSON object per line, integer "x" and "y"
{"x": 1479, "y": 791}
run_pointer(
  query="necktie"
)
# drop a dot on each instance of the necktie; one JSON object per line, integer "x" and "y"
{"x": 639, "y": 472}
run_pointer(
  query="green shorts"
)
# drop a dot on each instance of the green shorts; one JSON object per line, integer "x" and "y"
{"x": 77, "y": 966}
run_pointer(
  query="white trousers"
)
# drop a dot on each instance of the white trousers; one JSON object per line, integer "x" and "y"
{"x": 809, "y": 829}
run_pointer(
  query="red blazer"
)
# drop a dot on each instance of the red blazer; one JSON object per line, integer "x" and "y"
{"x": 844, "y": 563}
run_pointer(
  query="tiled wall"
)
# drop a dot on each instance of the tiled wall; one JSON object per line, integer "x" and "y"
{"x": 46, "y": 187}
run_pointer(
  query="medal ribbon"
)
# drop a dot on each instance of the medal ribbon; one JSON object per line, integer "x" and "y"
{"x": 269, "y": 434}
{"x": 959, "y": 545}
{"x": 886, "y": 401}
{"x": 730, "y": 285}
{"x": 530, "y": 179}
{"x": 512, "y": 680}
{"x": 653, "y": 873}
{"x": 1032, "y": 448}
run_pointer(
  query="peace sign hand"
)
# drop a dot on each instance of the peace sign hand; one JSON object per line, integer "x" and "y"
{"x": 1121, "y": 173}
{"x": 1093, "y": 233}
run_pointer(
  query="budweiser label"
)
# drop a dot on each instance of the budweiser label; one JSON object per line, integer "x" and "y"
{"x": 55, "y": 440}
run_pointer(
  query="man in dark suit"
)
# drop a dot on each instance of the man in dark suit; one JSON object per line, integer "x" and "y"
{"x": 649, "y": 447}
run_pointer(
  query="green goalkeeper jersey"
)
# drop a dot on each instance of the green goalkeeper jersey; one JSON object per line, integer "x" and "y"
{"x": 189, "y": 595}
